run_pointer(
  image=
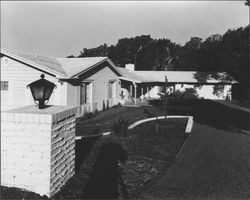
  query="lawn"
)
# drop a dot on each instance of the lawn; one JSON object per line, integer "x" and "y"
{"x": 103, "y": 121}
{"x": 119, "y": 167}
{"x": 143, "y": 155}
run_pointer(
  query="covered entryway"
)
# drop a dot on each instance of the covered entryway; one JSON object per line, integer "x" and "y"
{"x": 138, "y": 92}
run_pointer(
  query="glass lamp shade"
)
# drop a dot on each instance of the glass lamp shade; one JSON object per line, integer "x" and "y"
{"x": 41, "y": 90}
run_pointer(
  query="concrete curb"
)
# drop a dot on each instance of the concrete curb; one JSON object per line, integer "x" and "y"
{"x": 94, "y": 135}
{"x": 188, "y": 127}
{"x": 187, "y": 130}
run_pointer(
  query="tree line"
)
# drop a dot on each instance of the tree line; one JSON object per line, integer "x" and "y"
{"x": 228, "y": 52}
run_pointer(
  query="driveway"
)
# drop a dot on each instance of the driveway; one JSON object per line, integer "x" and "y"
{"x": 214, "y": 164}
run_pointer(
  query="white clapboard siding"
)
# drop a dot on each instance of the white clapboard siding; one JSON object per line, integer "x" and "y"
{"x": 73, "y": 95}
{"x": 19, "y": 76}
{"x": 100, "y": 84}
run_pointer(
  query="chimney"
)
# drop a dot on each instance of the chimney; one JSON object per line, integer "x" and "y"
{"x": 130, "y": 67}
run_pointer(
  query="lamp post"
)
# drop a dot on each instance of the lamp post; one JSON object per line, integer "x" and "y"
{"x": 41, "y": 91}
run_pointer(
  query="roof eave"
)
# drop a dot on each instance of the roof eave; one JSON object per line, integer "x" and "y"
{"x": 95, "y": 65}
{"x": 35, "y": 65}
{"x": 130, "y": 80}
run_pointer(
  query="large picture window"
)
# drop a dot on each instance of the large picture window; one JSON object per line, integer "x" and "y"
{"x": 4, "y": 85}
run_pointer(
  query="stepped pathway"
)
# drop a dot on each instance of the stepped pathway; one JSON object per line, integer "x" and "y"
{"x": 214, "y": 164}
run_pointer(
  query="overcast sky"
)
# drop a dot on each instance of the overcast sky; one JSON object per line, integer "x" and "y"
{"x": 64, "y": 28}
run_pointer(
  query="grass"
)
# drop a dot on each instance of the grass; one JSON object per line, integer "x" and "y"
{"x": 143, "y": 155}
{"x": 148, "y": 153}
{"x": 104, "y": 121}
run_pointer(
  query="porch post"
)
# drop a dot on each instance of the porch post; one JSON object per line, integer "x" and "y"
{"x": 174, "y": 87}
{"x": 135, "y": 91}
{"x": 147, "y": 92}
{"x": 131, "y": 91}
{"x": 142, "y": 96}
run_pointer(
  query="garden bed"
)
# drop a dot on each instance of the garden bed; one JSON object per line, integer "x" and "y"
{"x": 143, "y": 155}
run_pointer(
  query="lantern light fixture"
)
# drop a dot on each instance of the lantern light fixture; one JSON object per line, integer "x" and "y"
{"x": 41, "y": 91}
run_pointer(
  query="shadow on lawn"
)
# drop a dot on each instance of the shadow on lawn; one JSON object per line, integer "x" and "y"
{"x": 105, "y": 178}
{"x": 82, "y": 149}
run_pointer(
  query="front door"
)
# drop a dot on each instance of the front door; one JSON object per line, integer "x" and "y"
{"x": 111, "y": 89}
{"x": 86, "y": 93}
{"x": 83, "y": 93}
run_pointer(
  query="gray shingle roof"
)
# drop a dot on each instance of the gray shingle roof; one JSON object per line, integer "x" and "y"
{"x": 69, "y": 67}
{"x": 177, "y": 76}
{"x": 186, "y": 76}
{"x": 47, "y": 62}
{"x": 73, "y": 66}
{"x": 132, "y": 75}
{"x": 66, "y": 67}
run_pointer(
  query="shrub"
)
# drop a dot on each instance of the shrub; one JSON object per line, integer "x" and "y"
{"x": 107, "y": 105}
{"x": 103, "y": 106}
{"x": 89, "y": 115}
{"x": 117, "y": 105}
{"x": 120, "y": 127}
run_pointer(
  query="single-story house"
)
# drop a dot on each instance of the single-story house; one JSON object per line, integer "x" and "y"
{"x": 96, "y": 82}
{"x": 89, "y": 81}
{"x": 189, "y": 84}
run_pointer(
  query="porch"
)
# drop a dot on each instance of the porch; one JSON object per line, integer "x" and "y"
{"x": 135, "y": 92}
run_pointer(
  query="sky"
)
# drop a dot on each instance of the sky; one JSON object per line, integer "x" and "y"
{"x": 62, "y": 28}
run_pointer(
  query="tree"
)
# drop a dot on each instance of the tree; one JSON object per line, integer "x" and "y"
{"x": 194, "y": 43}
{"x": 228, "y": 52}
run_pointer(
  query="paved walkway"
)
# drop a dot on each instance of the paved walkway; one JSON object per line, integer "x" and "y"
{"x": 214, "y": 164}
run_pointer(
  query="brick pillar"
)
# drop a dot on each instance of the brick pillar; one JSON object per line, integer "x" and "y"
{"x": 38, "y": 148}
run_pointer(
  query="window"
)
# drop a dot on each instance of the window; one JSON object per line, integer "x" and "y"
{"x": 4, "y": 85}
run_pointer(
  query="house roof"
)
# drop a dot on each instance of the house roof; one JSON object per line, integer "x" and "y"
{"x": 72, "y": 67}
{"x": 45, "y": 63}
{"x": 61, "y": 67}
{"x": 177, "y": 76}
{"x": 131, "y": 76}
{"x": 187, "y": 76}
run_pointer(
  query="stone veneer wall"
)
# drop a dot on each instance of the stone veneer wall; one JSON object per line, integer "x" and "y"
{"x": 38, "y": 148}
